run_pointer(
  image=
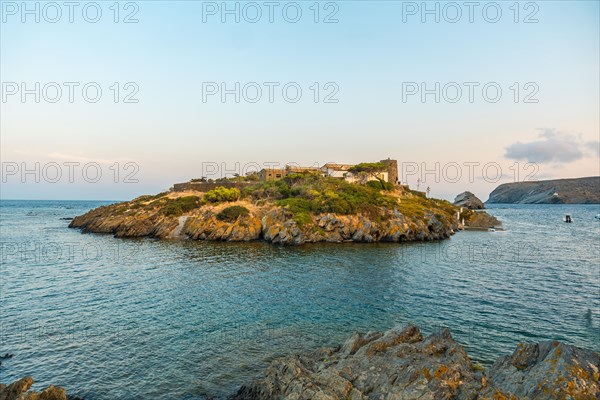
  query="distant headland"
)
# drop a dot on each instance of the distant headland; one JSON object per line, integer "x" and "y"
{"x": 557, "y": 191}
{"x": 294, "y": 205}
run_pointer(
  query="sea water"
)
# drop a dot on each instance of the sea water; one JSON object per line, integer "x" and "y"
{"x": 115, "y": 318}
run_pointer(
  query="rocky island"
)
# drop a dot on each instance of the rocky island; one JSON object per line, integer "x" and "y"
{"x": 557, "y": 191}
{"x": 471, "y": 214}
{"x": 300, "y": 207}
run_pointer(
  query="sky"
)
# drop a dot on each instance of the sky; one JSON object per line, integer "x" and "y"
{"x": 110, "y": 100}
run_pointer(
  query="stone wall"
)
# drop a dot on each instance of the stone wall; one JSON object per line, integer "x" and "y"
{"x": 392, "y": 170}
{"x": 206, "y": 186}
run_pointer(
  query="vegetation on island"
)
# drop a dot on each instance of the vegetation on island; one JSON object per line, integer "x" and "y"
{"x": 180, "y": 205}
{"x": 221, "y": 194}
{"x": 367, "y": 171}
{"x": 250, "y": 177}
{"x": 297, "y": 208}
{"x": 231, "y": 214}
{"x": 305, "y": 195}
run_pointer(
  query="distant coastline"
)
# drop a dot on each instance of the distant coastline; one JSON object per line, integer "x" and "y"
{"x": 556, "y": 191}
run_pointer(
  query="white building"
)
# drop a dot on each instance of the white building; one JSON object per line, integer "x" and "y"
{"x": 342, "y": 171}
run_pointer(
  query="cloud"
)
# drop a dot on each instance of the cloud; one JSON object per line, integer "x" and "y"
{"x": 553, "y": 147}
{"x": 594, "y": 148}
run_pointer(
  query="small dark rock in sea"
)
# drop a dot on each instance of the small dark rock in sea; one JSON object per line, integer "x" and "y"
{"x": 6, "y": 356}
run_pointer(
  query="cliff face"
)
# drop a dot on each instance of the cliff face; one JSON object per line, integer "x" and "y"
{"x": 401, "y": 364}
{"x": 559, "y": 191}
{"x": 267, "y": 222}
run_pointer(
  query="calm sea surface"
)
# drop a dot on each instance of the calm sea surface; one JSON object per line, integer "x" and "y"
{"x": 144, "y": 319}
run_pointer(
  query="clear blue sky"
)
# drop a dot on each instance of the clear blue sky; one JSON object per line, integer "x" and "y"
{"x": 368, "y": 54}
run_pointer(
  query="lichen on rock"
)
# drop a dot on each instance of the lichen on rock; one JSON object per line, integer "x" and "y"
{"x": 19, "y": 390}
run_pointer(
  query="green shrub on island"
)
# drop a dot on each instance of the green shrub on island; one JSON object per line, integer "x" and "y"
{"x": 307, "y": 194}
{"x": 301, "y": 209}
{"x": 369, "y": 168}
{"x": 418, "y": 193}
{"x": 231, "y": 214}
{"x": 180, "y": 205}
{"x": 417, "y": 205}
{"x": 252, "y": 177}
{"x": 380, "y": 185}
{"x": 146, "y": 198}
{"x": 221, "y": 194}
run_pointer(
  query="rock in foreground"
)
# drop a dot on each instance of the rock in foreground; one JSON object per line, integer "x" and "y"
{"x": 547, "y": 370}
{"x": 401, "y": 364}
{"x": 19, "y": 390}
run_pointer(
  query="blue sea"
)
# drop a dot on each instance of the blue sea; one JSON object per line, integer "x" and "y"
{"x": 145, "y": 319}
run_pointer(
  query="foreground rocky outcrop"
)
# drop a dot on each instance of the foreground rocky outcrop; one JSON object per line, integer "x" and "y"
{"x": 547, "y": 370}
{"x": 268, "y": 222}
{"x": 468, "y": 200}
{"x": 19, "y": 390}
{"x": 558, "y": 191}
{"x": 401, "y": 364}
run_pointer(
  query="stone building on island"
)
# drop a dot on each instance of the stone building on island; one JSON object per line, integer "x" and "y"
{"x": 271, "y": 174}
{"x": 342, "y": 171}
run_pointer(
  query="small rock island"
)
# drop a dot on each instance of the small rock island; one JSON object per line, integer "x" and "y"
{"x": 471, "y": 215}
{"x": 295, "y": 205}
{"x": 468, "y": 200}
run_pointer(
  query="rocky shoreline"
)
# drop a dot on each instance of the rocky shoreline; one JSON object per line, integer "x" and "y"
{"x": 268, "y": 222}
{"x": 19, "y": 390}
{"x": 402, "y": 364}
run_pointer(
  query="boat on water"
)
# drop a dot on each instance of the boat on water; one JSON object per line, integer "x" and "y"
{"x": 568, "y": 218}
